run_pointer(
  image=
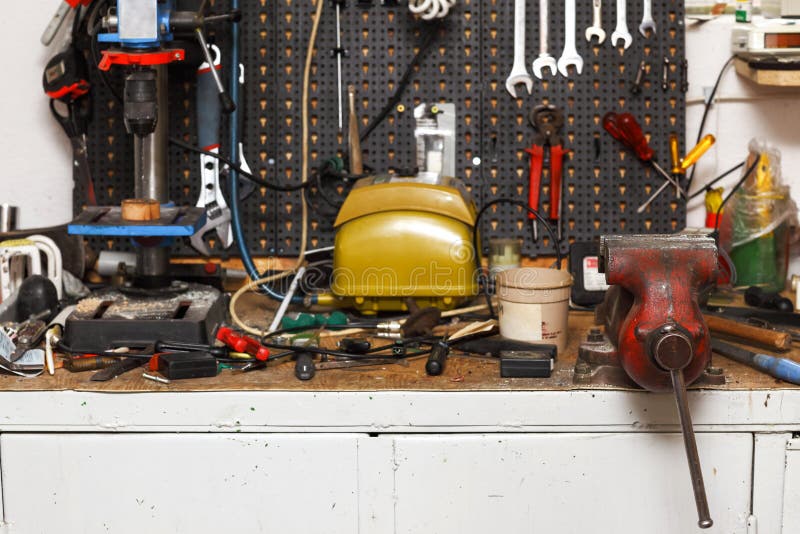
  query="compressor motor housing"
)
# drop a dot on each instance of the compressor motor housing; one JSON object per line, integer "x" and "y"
{"x": 400, "y": 238}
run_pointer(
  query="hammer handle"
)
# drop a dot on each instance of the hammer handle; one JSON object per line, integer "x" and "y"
{"x": 762, "y": 336}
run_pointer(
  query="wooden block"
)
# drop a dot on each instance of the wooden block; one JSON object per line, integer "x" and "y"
{"x": 140, "y": 209}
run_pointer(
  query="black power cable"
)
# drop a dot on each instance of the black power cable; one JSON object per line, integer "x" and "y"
{"x": 427, "y": 40}
{"x": 476, "y": 245}
{"x": 247, "y": 175}
{"x": 739, "y": 184}
{"x": 710, "y": 184}
{"x": 708, "y": 104}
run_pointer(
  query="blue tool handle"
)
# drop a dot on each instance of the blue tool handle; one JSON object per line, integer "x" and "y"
{"x": 208, "y": 109}
{"x": 781, "y": 368}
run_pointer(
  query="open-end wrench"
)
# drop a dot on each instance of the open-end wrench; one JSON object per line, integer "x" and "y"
{"x": 596, "y": 29}
{"x": 545, "y": 60}
{"x": 570, "y": 54}
{"x": 218, "y": 215}
{"x": 621, "y": 31}
{"x": 648, "y": 24}
{"x": 519, "y": 72}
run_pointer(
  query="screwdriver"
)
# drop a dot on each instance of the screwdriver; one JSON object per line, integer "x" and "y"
{"x": 624, "y": 128}
{"x": 691, "y": 158}
{"x": 780, "y": 368}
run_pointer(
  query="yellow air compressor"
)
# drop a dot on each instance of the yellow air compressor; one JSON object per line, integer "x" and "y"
{"x": 404, "y": 237}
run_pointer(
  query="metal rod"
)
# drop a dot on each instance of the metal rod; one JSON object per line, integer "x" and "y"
{"x": 210, "y": 60}
{"x": 669, "y": 178}
{"x": 700, "y": 499}
{"x": 650, "y": 200}
{"x": 339, "y": 64}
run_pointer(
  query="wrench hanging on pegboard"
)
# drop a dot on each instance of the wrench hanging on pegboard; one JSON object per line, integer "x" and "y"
{"x": 467, "y": 64}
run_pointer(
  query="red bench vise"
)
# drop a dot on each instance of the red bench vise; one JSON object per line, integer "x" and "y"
{"x": 654, "y": 329}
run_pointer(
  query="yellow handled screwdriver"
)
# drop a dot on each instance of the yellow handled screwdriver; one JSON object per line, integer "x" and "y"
{"x": 690, "y": 159}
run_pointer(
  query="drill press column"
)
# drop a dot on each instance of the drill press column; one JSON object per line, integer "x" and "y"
{"x": 147, "y": 118}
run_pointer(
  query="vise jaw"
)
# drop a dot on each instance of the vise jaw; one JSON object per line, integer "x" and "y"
{"x": 651, "y": 314}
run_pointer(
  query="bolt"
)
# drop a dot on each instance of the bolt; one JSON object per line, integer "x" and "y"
{"x": 595, "y": 335}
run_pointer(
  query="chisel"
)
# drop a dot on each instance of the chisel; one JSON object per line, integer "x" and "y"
{"x": 780, "y": 368}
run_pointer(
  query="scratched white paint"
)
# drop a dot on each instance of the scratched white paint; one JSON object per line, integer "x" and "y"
{"x": 394, "y": 411}
{"x": 567, "y": 483}
{"x": 252, "y": 483}
{"x": 769, "y": 471}
{"x": 791, "y": 495}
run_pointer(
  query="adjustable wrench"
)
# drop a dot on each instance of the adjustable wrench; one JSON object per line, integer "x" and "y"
{"x": 545, "y": 60}
{"x": 570, "y": 54}
{"x": 596, "y": 29}
{"x": 519, "y": 72}
{"x": 621, "y": 31}
{"x": 647, "y": 20}
{"x": 218, "y": 215}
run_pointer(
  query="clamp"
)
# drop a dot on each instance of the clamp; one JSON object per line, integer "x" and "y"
{"x": 547, "y": 120}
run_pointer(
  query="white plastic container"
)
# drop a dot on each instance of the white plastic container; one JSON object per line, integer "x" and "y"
{"x": 533, "y": 305}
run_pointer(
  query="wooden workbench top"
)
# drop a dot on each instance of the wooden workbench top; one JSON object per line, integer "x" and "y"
{"x": 461, "y": 374}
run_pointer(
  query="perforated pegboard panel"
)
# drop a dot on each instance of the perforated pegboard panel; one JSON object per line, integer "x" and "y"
{"x": 467, "y": 65}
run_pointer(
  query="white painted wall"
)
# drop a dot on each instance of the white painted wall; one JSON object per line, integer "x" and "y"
{"x": 771, "y": 113}
{"x": 36, "y": 172}
{"x": 37, "y": 176}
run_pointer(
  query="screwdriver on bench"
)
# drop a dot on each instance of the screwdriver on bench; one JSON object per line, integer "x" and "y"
{"x": 780, "y": 368}
{"x": 624, "y": 128}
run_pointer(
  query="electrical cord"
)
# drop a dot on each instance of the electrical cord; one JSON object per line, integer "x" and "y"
{"x": 476, "y": 245}
{"x": 710, "y": 184}
{"x": 235, "y": 215}
{"x": 431, "y": 9}
{"x": 427, "y": 41}
{"x": 338, "y": 354}
{"x": 739, "y": 184}
{"x": 239, "y": 170}
{"x": 709, "y": 103}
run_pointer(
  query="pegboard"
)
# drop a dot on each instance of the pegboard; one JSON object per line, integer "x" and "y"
{"x": 467, "y": 65}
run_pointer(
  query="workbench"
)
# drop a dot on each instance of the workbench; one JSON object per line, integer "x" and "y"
{"x": 389, "y": 449}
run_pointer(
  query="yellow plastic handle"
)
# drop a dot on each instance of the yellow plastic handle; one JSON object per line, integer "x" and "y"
{"x": 675, "y": 156}
{"x": 697, "y": 152}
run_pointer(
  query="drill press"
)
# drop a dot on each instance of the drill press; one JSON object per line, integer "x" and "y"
{"x": 152, "y": 306}
{"x": 655, "y": 334}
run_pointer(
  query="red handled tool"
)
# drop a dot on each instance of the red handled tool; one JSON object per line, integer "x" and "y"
{"x": 241, "y": 343}
{"x": 624, "y": 128}
{"x": 547, "y": 121}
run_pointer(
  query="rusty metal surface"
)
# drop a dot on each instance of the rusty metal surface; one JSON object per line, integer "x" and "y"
{"x": 662, "y": 276}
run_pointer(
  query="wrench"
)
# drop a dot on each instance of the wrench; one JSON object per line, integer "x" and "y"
{"x": 218, "y": 215}
{"x": 621, "y": 31}
{"x": 519, "y": 72}
{"x": 596, "y": 29}
{"x": 647, "y": 20}
{"x": 570, "y": 54}
{"x": 545, "y": 60}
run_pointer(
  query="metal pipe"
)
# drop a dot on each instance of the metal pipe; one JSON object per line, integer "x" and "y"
{"x": 8, "y": 218}
{"x": 700, "y": 499}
